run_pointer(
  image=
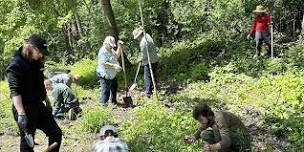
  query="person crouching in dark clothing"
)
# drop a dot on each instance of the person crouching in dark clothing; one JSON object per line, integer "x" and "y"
{"x": 221, "y": 131}
{"x": 27, "y": 90}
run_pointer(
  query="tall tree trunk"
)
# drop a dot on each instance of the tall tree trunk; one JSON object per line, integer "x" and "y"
{"x": 302, "y": 33}
{"x": 78, "y": 23}
{"x": 112, "y": 26}
{"x": 108, "y": 13}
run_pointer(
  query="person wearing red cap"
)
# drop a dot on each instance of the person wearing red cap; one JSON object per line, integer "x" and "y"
{"x": 260, "y": 28}
{"x": 27, "y": 90}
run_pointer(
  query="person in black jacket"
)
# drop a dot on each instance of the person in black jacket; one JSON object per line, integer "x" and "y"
{"x": 25, "y": 78}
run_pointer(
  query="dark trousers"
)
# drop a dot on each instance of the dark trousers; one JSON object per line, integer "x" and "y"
{"x": 148, "y": 79}
{"x": 108, "y": 87}
{"x": 39, "y": 117}
{"x": 261, "y": 37}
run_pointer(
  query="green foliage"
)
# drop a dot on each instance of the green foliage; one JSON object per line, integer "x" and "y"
{"x": 281, "y": 95}
{"x": 276, "y": 66}
{"x": 295, "y": 55}
{"x": 4, "y": 88}
{"x": 212, "y": 48}
{"x": 7, "y": 122}
{"x": 288, "y": 120}
{"x": 52, "y": 68}
{"x": 86, "y": 92}
{"x": 158, "y": 129}
{"x": 189, "y": 60}
{"x": 94, "y": 118}
{"x": 86, "y": 68}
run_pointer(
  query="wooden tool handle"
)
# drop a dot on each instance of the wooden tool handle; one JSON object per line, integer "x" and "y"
{"x": 51, "y": 147}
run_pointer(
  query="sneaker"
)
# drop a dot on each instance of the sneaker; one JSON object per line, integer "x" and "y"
{"x": 72, "y": 114}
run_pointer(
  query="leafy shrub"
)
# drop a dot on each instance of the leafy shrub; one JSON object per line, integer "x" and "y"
{"x": 85, "y": 92}
{"x": 86, "y": 68}
{"x": 52, "y": 68}
{"x": 289, "y": 120}
{"x": 93, "y": 119}
{"x": 4, "y": 89}
{"x": 295, "y": 55}
{"x": 7, "y": 122}
{"x": 158, "y": 129}
{"x": 188, "y": 60}
{"x": 276, "y": 65}
{"x": 200, "y": 72}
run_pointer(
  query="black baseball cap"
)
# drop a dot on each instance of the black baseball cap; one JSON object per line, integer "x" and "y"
{"x": 38, "y": 42}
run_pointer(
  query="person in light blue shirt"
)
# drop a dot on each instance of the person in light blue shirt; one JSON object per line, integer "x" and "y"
{"x": 146, "y": 44}
{"x": 107, "y": 68}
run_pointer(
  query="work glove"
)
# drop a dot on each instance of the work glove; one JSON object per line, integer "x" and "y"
{"x": 22, "y": 121}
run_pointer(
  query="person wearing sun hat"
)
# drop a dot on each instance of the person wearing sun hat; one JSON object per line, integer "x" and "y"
{"x": 107, "y": 68}
{"x": 146, "y": 44}
{"x": 109, "y": 141}
{"x": 260, "y": 28}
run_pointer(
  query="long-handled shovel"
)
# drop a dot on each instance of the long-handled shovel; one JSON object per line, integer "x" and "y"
{"x": 134, "y": 85}
{"x": 271, "y": 37}
{"x": 127, "y": 100}
{"x": 149, "y": 61}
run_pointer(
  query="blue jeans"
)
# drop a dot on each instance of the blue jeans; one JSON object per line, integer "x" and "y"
{"x": 148, "y": 79}
{"x": 108, "y": 87}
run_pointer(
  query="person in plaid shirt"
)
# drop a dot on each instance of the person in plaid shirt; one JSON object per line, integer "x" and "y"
{"x": 109, "y": 141}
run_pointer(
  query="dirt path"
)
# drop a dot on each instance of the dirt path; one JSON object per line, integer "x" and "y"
{"x": 70, "y": 143}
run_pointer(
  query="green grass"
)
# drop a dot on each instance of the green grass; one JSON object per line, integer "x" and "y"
{"x": 155, "y": 128}
{"x": 7, "y": 123}
{"x": 94, "y": 118}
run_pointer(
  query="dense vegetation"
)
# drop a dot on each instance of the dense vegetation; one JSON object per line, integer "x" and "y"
{"x": 204, "y": 57}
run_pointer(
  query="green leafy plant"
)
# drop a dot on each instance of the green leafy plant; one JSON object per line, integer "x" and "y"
{"x": 94, "y": 118}
{"x": 86, "y": 68}
{"x": 156, "y": 128}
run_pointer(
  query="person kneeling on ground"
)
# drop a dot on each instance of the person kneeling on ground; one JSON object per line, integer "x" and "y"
{"x": 109, "y": 141}
{"x": 65, "y": 78}
{"x": 227, "y": 132}
{"x": 64, "y": 100}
